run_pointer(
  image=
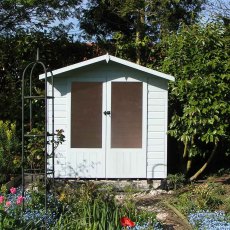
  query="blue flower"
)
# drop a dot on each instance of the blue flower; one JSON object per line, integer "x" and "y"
{"x": 209, "y": 220}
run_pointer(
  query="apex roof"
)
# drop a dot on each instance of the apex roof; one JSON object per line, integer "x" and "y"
{"x": 109, "y": 58}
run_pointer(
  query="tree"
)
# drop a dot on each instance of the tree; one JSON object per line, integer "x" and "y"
{"x": 198, "y": 56}
{"x": 136, "y": 25}
{"x": 34, "y": 14}
{"x": 26, "y": 25}
{"x": 16, "y": 51}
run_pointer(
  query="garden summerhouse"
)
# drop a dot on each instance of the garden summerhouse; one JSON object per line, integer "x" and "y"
{"x": 114, "y": 116}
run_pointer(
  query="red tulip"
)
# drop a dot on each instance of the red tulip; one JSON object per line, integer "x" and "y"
{"x": 126, "y": 222}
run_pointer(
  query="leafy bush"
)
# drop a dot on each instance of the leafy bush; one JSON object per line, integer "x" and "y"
{"x": 176, "y": 180}
{"x": 9, "y": 150}
{"x": 207, "y": 196}
{"x": 198, "y": 57}
{"x": 34, "y": 148}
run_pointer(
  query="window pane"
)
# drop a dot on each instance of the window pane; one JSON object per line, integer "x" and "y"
{"x": 126, "y": 115}
{"x": 86, "y": 115}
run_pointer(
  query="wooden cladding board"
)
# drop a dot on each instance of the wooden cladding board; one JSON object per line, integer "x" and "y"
{"x": 157, "y": 128}
{"x": 126, "y": 115}
{"x": 86, "y": 115}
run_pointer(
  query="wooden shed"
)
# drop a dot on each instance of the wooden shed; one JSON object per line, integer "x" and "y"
{"x": 114, "y": 116}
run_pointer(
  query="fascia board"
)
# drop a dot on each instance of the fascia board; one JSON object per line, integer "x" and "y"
{"x": 107, "y": 58}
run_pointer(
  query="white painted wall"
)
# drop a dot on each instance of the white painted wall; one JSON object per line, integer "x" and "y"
{"x": 157, "y": 128}
{"x": 60, "y": 122}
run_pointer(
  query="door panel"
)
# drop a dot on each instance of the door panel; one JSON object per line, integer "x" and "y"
{"x": 126, "y": 139}
{"x": 86, "y": 157}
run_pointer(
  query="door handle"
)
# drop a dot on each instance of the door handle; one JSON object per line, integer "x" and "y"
{"x": 107, "y": 112}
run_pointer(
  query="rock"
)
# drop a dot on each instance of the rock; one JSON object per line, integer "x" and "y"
{"x": 170, "y": 192}
{"x": 153, "y": 192}
{"x": 162, "y": 216}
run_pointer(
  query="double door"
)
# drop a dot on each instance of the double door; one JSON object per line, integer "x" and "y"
{"x": 108, "y": 128}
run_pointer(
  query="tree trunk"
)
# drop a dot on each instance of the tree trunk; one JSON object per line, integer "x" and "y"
{"x": 139, "y": 34}
{"x": 185, "y": 149}
{"x": 189, "y": 165}
{"x": 138, "y": 39}
{"x": 194, "y": 177}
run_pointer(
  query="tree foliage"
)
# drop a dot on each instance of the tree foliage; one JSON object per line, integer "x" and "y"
{"x": 22, "y": 23}
{"x": 16, "y": 51}
{"x": 34, "y": 14}
{"x": 198, "y": 56}
{"x": 136, "y": 25}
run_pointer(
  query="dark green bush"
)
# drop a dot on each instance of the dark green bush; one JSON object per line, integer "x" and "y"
{"x": 10, "y": 153}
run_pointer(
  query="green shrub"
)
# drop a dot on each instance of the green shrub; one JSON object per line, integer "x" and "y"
{"x": 35, "y": 151}
{"x": 176, "y": 181}
{"x": 9, "y": 150}
{"x": 207, "y": 196}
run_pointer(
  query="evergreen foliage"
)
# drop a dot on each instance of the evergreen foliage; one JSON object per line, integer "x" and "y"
{"x": 198, "y": 56}
{"x": 135, "y": 26}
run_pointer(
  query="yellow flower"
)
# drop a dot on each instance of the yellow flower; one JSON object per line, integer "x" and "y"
{"x": 62, "y": 196}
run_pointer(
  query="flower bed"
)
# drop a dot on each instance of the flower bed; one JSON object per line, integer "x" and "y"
{"x": 81, "y": 208}
{"x": 217, "y": 220}
{"x": 34, "y": 214}
{"x": 87, "y": 207}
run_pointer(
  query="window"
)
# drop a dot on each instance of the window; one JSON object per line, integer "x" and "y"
{"x": 86, "y": 115}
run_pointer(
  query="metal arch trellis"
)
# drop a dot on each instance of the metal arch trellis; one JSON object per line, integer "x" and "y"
{"x": 46, "y": 171}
